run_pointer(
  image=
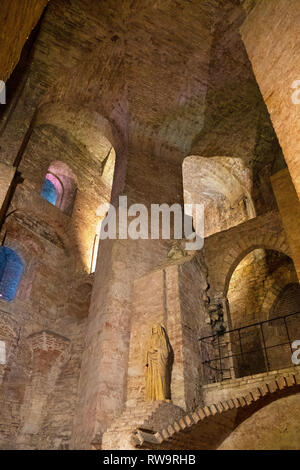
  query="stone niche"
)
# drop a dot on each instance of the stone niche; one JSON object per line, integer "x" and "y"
{"x": 50, "y": 352}
{"x": 172, "y": 296}
{"x": 8, "y": 340}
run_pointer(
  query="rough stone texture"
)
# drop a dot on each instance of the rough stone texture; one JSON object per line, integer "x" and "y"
{"x": 271, "y": 428}
{"x": 16, "y": 23}
{"x": 167, "y": 296}
{"x": 230, "y": 389}
{"x": 254, "y": 289}
{"x": 272, "y": 55}
{"x": 122, "y": 95}
{"x": 255, "y": 284}
{"x": 223, "y": 186}
{"x": 225, "y": 250}
{"x": 289, "y": 207}
{"x": 7, "y": 174}
{"x": 209, "y": 426}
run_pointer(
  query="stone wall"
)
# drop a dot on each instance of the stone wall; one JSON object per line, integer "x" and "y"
{"x": 174, "y": 297}
{"x": 230, "y": 389}
{"x": 289, "y": 207}
{"x": 273, "y": 60}
{"x": 259, "y": 274}
{"x": 271, "y": 428}
{"x": 122, "y": 75}
{"x": 224, "y": 251}
{"x": 7, "y": 174}
{"x": 15, "y": 29}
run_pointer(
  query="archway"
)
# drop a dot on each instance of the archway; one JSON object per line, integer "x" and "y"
{"x": 287, "y": 302}
{"x": 259, "y": 342}
{"x": 59, "y": 187}
{"x": 81, "y": 176}
{"x": 273, "y": 427}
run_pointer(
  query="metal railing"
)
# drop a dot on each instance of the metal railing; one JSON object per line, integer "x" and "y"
{"x": 251, "y": 349}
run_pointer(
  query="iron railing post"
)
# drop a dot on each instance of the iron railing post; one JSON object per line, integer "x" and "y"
{"x": 220, "y": 357}
{"x": 288, "y": 334}
{"x": 264, "y": 344}
{"x": 216, "y": 362}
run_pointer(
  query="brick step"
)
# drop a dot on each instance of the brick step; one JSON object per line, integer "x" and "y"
{"x": 190, "y": 431}
{"x": 134, "y": 417}
{"x": 129, "y": 423}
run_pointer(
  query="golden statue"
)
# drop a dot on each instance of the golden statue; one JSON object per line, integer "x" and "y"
{"x": 158, "y": 365}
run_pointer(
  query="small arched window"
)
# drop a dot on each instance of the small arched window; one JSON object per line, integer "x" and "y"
{"x": 60, "y": 187}
{"x": 11, "y": 270}
{"x": 49, "y": 191}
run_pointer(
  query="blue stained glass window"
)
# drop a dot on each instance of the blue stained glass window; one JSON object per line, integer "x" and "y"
{"x": 49, "y": 192}
{"x": 11, "y": 269}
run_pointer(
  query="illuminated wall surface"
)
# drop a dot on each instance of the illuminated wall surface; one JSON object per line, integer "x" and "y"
{"x": 2, "y": 352}
{"x": 11, "y": 269}
{"x": 49, "y": 192}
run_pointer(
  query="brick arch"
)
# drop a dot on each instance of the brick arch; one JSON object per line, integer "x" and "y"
{"x": 225, "y": 250}
{"x": 98, "y": 128}
{"x": 8, "y": 326}
{"x": 36, "y": 247}
{"x": 265, "y": 244}
{"x": 30, "y": 250}
{"x": 277, "y": 286}
{"x": 203, "y": 429}
{"x": 67, "y": 115}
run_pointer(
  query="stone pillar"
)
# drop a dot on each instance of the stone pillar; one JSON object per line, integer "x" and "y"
{"x": 7, "y": 174}
{"x": 150, "y": 179}
{"x": 271, "y": 37}
{"x": 289, "y": 208}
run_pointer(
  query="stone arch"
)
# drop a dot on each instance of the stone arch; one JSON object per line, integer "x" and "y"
{"x": 191, "y": 429}
{"x": 70, "y": 117}
{"x": 259, "y": 275}
{"x": 99, "y": 173}
{"x": 275, "y": 289}
{"x": 290, "y": 290}
{"x": 27, "y": 246}
{"x": 223, "y": 186}
{"x": 265, "y": 243}
{"x": 30, "y": 249}
{"x": 60, "y": 231}
{"x": 272, "y": 427}
{"x": 64, "y": 181}
{"x": 91, "y": 132}
{"x": 11, "y": 271}
{"x": 224, "y": 251}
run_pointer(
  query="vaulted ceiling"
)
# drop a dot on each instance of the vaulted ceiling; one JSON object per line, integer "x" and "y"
{"x": 171, "y": 71}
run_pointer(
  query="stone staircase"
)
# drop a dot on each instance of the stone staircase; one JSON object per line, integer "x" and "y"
{"x": 208, "y": 426}
{"x": 146, "y": 416}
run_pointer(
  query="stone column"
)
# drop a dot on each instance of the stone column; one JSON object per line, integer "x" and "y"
{"x": 271, "y": 37}
{"x": 289, "y": 208}
{"x": 102, "y": 387}
{"x": 7, "y": 174}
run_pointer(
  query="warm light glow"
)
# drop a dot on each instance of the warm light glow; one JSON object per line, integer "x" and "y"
{"x": 2, "y": 353}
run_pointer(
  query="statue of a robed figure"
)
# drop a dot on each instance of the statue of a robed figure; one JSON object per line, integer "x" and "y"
{"x": 159, "y": 359}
